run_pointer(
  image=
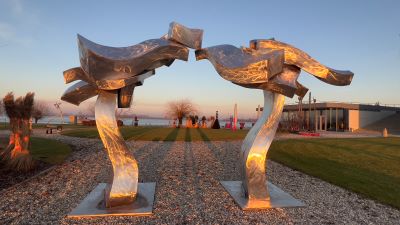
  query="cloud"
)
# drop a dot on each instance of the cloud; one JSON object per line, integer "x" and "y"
{"x": 18, "y": 23}
{"x": 9, "y": 36}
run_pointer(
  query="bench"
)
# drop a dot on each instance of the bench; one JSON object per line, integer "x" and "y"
{"x": 50, "y": 128}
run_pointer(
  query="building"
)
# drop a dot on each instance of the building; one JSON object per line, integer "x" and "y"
{"x": 336, "y": 116}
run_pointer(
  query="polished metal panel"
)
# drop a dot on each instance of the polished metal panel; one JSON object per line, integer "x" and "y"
{"x": 242, "y": 65}
{"x": 255, "y": 147}
{"x": 261, "y": 67}
{"x": 113, "y": 68}
{"x": 297, "y": 57}
{"x": 79, "y": 92}
{"x": 94, "y": 206}
{"x": 301, "y": 91}
{"x": 120, "y": 83}
{"x": 278, "y": 198}
{"x": 125, "y": 96}
{"x": 75, "y": 74}
{"x": 284, "y": 83}
{"x": 123, "y": 189}
{"x": 110, "y": 63}
{"x": 191, "y": 38}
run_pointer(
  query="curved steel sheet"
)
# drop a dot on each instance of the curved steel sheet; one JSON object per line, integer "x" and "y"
{"x": 121, "y": 83}
{"x": 125, "y": 96}
{"x": 123, "y": 189}
{"x": 255, "y": 147}
{"x": 79, "y": 92}
{"x": 295, "y": 56}
{"x": 284, "y": 83}
{"x": 75, "y": 74}
{"x": 111, "y": 63}
{"x": 243, "y": 66}
{"x": 191, "y": 38}
{"x": 301, "y": 91}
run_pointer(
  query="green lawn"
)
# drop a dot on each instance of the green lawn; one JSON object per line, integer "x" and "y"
{"x": 369, "y": 166}
{"x": 49, "y": 151}
{"x": 165, "y": 134}
{"x": 46, "y": 150}
{"x": 6, "y": 126}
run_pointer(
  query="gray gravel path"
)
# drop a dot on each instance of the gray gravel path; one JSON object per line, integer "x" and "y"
{"x": 187, "y": 192}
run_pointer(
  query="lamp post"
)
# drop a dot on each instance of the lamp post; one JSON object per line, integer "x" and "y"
{"x": 315, "y": 116}
{"x": 300, "y": 117}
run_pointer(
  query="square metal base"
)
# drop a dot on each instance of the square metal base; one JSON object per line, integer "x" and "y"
{"x": 93, "y": 205}
{"x": 278, "y": 198}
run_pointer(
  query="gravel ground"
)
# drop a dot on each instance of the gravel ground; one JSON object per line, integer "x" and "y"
{"x": 187, "y": 192}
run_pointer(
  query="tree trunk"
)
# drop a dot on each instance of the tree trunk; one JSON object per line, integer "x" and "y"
{"x": 180, "y": 122}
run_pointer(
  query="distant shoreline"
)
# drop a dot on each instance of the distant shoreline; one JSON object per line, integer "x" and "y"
{"x": 149, "y": 121}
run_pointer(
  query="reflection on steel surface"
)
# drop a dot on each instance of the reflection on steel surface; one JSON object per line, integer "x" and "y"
{"x": 191, "y": 38}
{"x": 297, "y": 57}
{"x": 105, "y": 63}
{"x": 278, "y": 198}
{"x": 114, "y": 68}
{"x": 125, "y": 180}
{"x": 273, "y": 67}
{"x": 255, "y": 147}
{"x": 113, "y": 73}
{"x": 270, "y": 65}
{"x": 79, "y": 92}
{"x": 243, "y": 66}
{"x": 284, "y": 83}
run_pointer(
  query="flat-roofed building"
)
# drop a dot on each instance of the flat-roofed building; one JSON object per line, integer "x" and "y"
{"x": 336, "y": 116}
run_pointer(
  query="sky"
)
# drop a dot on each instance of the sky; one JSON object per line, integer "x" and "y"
{"x": 38, "y": 42}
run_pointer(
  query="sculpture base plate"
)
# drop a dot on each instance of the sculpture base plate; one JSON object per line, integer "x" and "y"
{"x": 93, "y": 205}
{"x": 278, "y": 198}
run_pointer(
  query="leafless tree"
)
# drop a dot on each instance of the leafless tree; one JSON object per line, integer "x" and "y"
{"x": 180, "y": 109}
{"x": 39, "y": 110}
{"x": 17, "y": 155}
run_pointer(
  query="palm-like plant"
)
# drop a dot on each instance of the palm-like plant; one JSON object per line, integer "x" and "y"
{"x": 17, "y": 155}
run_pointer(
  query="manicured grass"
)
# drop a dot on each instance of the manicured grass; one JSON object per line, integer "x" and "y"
{"x": 6, "y": 126}
{"x": 369, "y": 166}
{"x": 165, "y": 134}
{"x": 49, "y": 151}
{"x": 46, "y": 150}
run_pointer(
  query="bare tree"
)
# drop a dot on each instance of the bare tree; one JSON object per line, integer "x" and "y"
{"x": 180, "y": 109}
{"x": 39, "y": 110}
{"x": 17, "y": 155}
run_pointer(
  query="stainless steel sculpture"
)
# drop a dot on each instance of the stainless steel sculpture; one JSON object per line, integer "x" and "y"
{"x": 112, "y": 74}
{"x": 273, "y": 67}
